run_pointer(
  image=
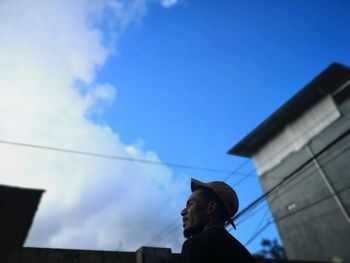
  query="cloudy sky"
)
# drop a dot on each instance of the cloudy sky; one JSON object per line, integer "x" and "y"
{"x": 50, "y": 54}
{"x": 163, "y": 81}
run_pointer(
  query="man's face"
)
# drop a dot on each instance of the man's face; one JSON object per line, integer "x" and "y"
{"x": 195, "y": 215}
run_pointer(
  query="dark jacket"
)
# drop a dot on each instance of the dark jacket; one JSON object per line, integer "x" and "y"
{"x": 214, "y": 245}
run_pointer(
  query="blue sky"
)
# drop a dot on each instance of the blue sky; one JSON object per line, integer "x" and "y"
{"x": 179, "y": 83}
{"x": 205, "y": 74}
{"x": 195, "y": 79}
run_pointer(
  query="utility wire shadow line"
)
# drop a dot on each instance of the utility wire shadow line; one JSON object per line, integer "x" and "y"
{"x": 260, "y": 199}
{"x": 317, "y": 202}
{"x": 283, "y": 148}
{"x": 175, "y": 224}
{"x": 304, "y": 178}
{"x": 119, "y": 158}
{"x": 287, "y": 178}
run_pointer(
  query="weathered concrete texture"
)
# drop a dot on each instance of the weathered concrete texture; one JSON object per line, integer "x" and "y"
{"x": 48, "y": 255}
{"x": 142, "y": 255}
{"x": 45, "y": 255}
{"x": 308, "y": 216}
{"x": 154, "y": 255}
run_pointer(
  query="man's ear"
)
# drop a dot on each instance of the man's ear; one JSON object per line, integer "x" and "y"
{"x": 211, "y": 207}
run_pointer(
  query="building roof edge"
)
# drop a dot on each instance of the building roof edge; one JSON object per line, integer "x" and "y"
{"x": 325, "y": 83}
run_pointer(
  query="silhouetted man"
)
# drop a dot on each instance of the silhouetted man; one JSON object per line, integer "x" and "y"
{"x": 207, "y": 210}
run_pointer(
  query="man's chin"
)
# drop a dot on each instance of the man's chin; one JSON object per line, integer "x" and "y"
{"x": 187, "y": 233}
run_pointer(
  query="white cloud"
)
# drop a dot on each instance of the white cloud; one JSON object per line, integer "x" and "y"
{"x": 168, "y": 3}
{"x": 47, "y": 48}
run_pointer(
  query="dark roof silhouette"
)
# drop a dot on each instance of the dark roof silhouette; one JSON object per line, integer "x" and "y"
{"x": 17, "y": 210}
{"x": 325, "y": 83}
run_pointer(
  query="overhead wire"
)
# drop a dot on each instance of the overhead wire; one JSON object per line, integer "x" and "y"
{"x": 165, "y": 230}
{"x": 313, "y": 203}
{"x": 129, "y": 159}
{"x": 120, "y": 158}
{"x": 295, "y": 212}
{"x": 236, "y": 170}
{"x": 257, "y": 211}
{"x": 145, "y": 161}
{"x": 175, "y": 224}
{"x": 257, "y": 229}
{"x": 284, "y": 146}
{"x": 170, "y": 228}
{"x": 257, "y": 233}
{"x": 164, "y": 234}
{"x": 304, "y": 177}
{"x": 241, "y": 180}
{"x": 260, "y": 199}
{"x": 287, "y": 178}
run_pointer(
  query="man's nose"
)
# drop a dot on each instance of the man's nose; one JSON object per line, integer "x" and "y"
{"x": 183, "y": 212}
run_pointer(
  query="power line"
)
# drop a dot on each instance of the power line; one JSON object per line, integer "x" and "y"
{"x": 254, "y": 212}
{"x": 243, "y": 179}
{"x": 261, "y": 198}
{"x": 312, "y": 204}
{"x": 251, "y": 213}
{"x": 285, "y": 190}
{"x": 165, "y": 230}
{"x": 174, "y": 224}
{"x": 258, "y": 233}
{"x": 285, "y": 179}
{"x": 258, "y": 201}
{"x": 236, "y": 170}
{"x": 292, "y": 175}
{"x": 120, "y": 158}
{"x": 258, "y": 230}
{"x": 295, "y": 212}
{"x": 258, "y": 210}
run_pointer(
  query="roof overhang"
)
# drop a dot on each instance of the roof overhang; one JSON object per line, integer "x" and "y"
{"x": 325, "y": 83}
{"x": 17, "y": 210}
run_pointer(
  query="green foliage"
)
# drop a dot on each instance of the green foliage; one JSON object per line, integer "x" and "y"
{"x": 271, "y": 249}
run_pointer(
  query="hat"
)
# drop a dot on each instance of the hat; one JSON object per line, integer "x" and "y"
{"x": 225, "y": 193}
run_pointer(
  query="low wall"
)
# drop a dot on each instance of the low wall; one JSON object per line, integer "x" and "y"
{"x": 49, "y": 255}
{"x": 142, "y": 255}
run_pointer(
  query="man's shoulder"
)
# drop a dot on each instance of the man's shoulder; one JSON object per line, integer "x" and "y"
{"x": 208, "y": 236}
{"x": 195, "y": 249}
{"x": 224, "y": 243}
{"x": 198, "y": 240}
{"x": 215, "y": 245}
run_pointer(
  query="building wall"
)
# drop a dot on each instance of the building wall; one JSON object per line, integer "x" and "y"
{"x": 47, "y": 255}
{"x": 296, "y": 134}
{"x": 142, "y": 255}
{"x": 313, "y": 223}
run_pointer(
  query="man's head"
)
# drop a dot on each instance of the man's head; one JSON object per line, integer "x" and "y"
{"x": 210, "y": 203}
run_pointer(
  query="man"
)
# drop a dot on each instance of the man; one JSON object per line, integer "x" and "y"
{"x": 210, "y": 206}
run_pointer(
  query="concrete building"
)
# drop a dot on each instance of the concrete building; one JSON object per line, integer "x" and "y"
{"x": 17, "y": 210}
{"x": 142, "y": 255}
{"x": 302, "y": 151}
